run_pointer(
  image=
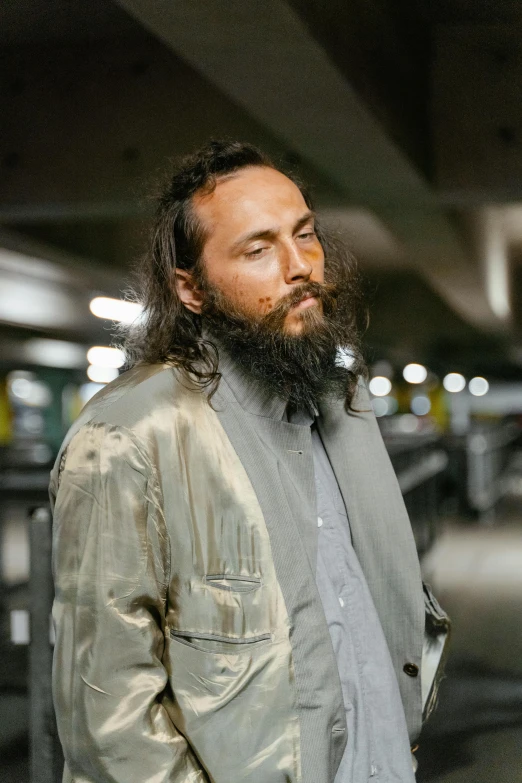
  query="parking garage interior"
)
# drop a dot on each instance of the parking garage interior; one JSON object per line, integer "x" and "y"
{"x": 404, "y": 117}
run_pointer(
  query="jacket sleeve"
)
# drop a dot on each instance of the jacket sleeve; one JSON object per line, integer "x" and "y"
{"x": 111, "y": 569}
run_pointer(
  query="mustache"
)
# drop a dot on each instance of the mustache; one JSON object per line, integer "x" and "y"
{"x": 326, "y": 293}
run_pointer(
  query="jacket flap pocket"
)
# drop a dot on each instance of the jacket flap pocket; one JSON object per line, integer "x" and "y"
{"x": 214, "y": 643}
{"x": 234, "y": 583}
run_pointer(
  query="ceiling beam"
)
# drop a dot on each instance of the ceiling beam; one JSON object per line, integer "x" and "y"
{"x": 47, "y": 290}
{"x": 46, "y": 262}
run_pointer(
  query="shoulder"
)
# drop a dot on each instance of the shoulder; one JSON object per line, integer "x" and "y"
{"x": 134, "y": 405}
{"x": 123, "y": 395}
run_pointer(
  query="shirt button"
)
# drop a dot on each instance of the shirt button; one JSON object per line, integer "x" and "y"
{"x": 411, "y": 669}
{"x": 341, "y": 601}
{"x": 319, "y": 522}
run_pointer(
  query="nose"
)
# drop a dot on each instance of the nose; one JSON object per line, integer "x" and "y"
{"x": 297, "y": 267}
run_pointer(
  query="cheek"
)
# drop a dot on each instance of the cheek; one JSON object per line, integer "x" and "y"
{"x": 248, "y": 293}
{"x": 254, "y": 292}
{"x": 233, "y": 286}
{"x": 252, "y": 287}
{"x": 317, "y": 261}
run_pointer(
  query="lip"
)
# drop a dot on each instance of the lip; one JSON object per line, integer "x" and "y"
{"x": 308, "y": 301}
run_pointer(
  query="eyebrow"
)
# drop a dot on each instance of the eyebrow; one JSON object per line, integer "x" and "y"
{"x": 270, "y": 233}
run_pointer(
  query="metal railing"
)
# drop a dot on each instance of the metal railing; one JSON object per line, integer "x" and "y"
{"x": 46, "y": 759}
{"x": 419, "y": 461}
{"x": 488, "y": 449}
{"x": 30, "y": 622}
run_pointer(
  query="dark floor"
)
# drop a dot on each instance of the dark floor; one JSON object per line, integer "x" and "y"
{"x": 14, "y": 743}
{"x": 476, "y": 734}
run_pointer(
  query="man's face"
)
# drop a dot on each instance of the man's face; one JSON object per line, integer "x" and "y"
{"x": 261, "y": 244}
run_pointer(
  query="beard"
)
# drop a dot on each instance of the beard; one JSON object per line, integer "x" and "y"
{"x": 302, "y": 368}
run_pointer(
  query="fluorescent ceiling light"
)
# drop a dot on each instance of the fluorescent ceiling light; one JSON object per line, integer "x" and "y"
{"x": 103, "y": 356}
{"x": 101, "y": 374}
{"x": 115, "y": 309}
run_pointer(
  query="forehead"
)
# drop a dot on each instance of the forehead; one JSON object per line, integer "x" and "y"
{"x": 251, "y": 199}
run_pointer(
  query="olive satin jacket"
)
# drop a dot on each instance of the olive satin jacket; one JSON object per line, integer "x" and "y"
{"x": 191, "y": 643}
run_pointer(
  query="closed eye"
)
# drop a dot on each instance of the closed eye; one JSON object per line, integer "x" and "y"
{"x": 256, "y": 252}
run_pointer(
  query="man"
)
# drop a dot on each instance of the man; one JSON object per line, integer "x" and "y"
{"x": 238, "y": 595}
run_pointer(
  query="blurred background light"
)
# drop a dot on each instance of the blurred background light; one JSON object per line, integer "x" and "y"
{"x": 478, "y": 386}
{"x": 380, "y": 406}
{"x": 408, "y": 423}
{"x": 420, "y": 405}
{"x": 34, "y": 293}
{"x": 103, "y": 356}
{"x": 380, "y": 386}
{"x": 25, "y": 389}
{"x": 392, "y": 404}
{"x": 21, "y": 388}
{"x": 454, "y": 382}
{"x": 55, "y": 353}
{"x": 88, "y": 390}
{"x": 415, "y": 373}
{"x": 384, "y": 406}
{"x": 115, "y": 309}
{"x": 101, "y": 374}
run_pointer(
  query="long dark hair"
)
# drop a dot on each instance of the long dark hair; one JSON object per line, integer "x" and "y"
{"x": 167, "y": 332}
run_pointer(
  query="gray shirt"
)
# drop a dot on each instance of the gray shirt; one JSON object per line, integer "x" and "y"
{"x": 378, "y": 746}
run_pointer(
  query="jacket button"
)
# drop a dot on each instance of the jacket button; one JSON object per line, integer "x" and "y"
{"x": 411, "y": 669}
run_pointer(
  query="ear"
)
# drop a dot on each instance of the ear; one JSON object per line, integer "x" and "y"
{"x": 190, "y": 295}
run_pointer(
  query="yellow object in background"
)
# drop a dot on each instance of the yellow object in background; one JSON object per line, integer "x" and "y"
{"x": 6, "y": 415}
{"x": 439, "y": 408}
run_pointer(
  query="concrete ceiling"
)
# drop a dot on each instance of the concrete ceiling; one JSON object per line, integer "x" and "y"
{"x": 316, "y": 109}
{"x": 404, "y": 116}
